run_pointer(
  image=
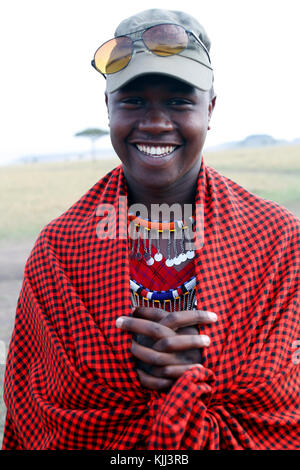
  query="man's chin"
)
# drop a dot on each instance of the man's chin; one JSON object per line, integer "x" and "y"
{"x": 158, "y": 181}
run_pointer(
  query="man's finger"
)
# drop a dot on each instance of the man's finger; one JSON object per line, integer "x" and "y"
{"x": 176, "y": 320}
{"x": 152, "y": 357}
{"x": 154, "y": 383}
{"x": 181, "y": 343}
{"x": 150, "y": 313}
{"x": 144, "y": 327}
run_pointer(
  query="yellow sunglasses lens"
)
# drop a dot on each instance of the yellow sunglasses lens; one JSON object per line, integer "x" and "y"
{"x": 165, "y": 39}
{"x": 113, "y": 55}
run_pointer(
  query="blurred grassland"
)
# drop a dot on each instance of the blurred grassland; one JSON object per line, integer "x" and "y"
{"x": 33, "y": 194}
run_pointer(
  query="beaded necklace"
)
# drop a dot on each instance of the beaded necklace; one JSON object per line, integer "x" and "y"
{"x": 181, "y": 298}
{"x": 145, "y": 232}
{"x": 144, "y": 236}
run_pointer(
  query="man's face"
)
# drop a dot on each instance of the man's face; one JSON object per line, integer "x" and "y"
{"x": 158, "y": 127}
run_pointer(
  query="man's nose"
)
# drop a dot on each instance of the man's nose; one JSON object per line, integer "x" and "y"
{"x": 155, "y": 122}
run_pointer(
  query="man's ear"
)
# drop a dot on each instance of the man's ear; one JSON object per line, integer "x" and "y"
{"x": 106, "y": 101}
{"x": 107, "y": 106}
{"x": 211, "y": 107}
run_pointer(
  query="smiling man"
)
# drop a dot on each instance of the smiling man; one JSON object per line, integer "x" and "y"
{"x": 158, "y": 128}
{"x": 183, "y": 334}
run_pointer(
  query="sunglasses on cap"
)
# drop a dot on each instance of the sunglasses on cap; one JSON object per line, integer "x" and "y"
{"x": 163, "y": 40}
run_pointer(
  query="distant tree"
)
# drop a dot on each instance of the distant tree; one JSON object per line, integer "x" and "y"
{"x": 93, "y": 134}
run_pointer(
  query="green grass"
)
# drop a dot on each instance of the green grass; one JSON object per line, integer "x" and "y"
{"x": 275, "y": 159}
{"x": 31, "y": 195}
{"x": 270, "y": 172}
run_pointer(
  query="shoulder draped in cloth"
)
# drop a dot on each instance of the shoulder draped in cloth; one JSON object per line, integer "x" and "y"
{"x": 70, "y": 379}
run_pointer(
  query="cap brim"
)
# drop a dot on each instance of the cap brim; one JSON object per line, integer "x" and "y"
{"x": 183, "y": 68}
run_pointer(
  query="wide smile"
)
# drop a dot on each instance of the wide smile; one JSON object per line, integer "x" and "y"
{"x": 156, "y": 151}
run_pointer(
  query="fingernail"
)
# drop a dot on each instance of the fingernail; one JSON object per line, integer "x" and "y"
{"x": 212, "y": 316}
{"x": 206, "y": 340}
{"x": 119, "y": 322}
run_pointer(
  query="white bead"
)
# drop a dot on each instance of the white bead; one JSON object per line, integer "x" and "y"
{"x": 150, "y": 261}
{"x": 158, "y": 256}
{"x": 190, "y": 254}
{"x": 169, "y": 263}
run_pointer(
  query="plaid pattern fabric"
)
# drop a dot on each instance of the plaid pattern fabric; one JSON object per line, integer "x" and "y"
{"x": 160, "y": 277}
{"x": 70, "y": 379}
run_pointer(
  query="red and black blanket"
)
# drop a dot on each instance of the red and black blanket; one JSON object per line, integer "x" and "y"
{"x": 71, "y": 381}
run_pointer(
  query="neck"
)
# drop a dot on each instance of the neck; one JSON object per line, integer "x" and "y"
{"x": 181, "y": 192}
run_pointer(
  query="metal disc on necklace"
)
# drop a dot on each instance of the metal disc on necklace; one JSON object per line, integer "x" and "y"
{"x": 150, "y": 261}
{"x": 177, "y": 260}
{"x": 183, "y": 257}
{"x": 158, "y": 256}
{"x": 190, "y": 254}
{"x": 169, "y": 263}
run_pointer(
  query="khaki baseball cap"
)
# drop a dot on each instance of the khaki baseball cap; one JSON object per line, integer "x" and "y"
{"x": 192, "y": 65}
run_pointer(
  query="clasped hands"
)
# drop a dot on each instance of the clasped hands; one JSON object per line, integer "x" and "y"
{"x": 165, "y": 344}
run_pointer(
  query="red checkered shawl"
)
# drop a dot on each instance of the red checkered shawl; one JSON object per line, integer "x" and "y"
{"x": 71, "y": 381}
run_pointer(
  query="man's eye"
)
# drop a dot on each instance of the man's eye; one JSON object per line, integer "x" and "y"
{"x": 179, "y": 102}
{"x": 133, "y": 102}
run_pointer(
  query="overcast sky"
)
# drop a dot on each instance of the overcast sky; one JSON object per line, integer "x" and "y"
{"x": 49, "y": 90}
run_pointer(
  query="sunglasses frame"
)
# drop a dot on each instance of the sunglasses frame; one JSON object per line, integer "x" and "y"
{"x": 189, "y": 32}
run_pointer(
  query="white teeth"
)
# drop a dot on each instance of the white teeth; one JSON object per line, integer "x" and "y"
{"x": 155, "y": 151}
